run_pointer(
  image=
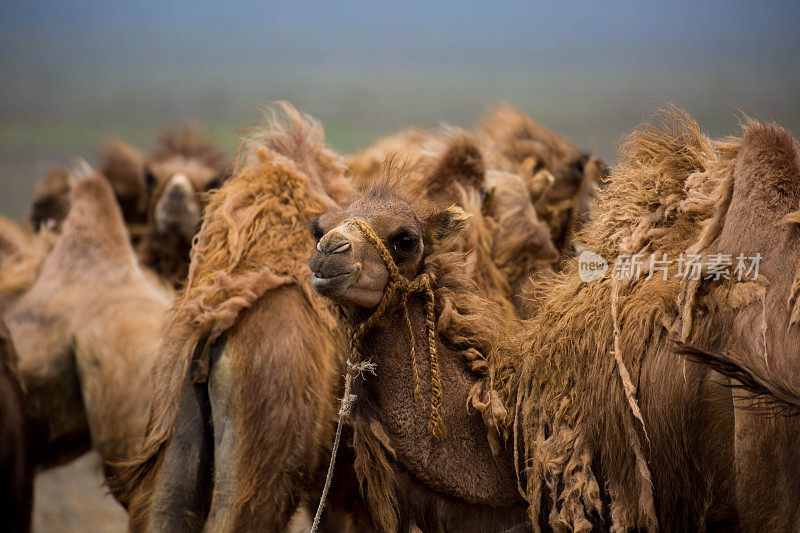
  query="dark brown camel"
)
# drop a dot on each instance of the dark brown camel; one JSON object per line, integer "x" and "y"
{"x": 756, "y": 324}
{"x": 411, "y": 478}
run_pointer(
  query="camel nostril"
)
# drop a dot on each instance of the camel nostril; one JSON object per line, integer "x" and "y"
{"x": 333, "y": 247}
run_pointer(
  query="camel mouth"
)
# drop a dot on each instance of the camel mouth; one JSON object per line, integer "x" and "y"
{"x": 333, "y": 284}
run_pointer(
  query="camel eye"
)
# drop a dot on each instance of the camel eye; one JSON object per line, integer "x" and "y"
{"x": 403, "y": 242}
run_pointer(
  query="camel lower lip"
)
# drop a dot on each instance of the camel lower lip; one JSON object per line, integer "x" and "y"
{"x": 333, "y": 285}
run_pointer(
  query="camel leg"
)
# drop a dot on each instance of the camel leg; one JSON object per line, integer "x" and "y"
{"x": 223, "y": 413}
{"x": 16, "y": 476}
{"x": 181, "y": 496}
{"x": 283, "y": 369}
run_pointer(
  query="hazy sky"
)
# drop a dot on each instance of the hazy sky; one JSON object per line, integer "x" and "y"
{"x": 591, "y": 69}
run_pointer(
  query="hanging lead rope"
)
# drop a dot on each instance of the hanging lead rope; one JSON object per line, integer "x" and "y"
{"x": 397, "y": 283}
{"x": 344, "y": 411}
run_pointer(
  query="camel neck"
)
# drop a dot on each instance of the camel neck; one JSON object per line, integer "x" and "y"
{"x": 461, "y": 464}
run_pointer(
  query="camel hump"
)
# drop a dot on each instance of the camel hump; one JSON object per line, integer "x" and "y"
{"x": 94, "y": 206}
{"x": 461, "y": 162}
{"x": 769, "y": 161}
{"x": 94, "y": 241}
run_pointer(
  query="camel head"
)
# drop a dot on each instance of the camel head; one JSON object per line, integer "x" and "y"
{"x": 348, "y": 268}
{"x": 182, "y": 168}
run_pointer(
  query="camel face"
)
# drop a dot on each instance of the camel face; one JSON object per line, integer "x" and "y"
{"x": 176, "y": 186}
{"x": 347, "y": 267}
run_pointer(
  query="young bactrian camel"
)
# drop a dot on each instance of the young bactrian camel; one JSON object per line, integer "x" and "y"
{"x": 409, "y": 476}
{"x": 614, "y": 431}
{"x": 179, "y": 172}
{"x": 87, "y": 330}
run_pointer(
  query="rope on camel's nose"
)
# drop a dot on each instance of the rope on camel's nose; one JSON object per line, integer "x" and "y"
{"x": 422, "y": 283}
{"x": 397, "y": 282}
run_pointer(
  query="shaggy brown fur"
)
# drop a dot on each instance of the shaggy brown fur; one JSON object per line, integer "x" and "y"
{"x": 561, "y": 180}
{"x": 585, "y": 449}
{"x": 16, "y": 474}
{"x": 271, "y": 377}
{"x": 769, "y": 397}
{"x": 87, "y": 331}
{"x": 410, "y": 478}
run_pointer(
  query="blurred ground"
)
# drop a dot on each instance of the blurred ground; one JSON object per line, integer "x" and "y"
{"x": 73, "y": 499}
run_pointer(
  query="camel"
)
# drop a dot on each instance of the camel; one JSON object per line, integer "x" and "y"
{"x": 433, "y": 471}
{"x": 21, "y": 255}
{"x": 16, "y": 475}
{"x": 249, "y": 349}
{"x": 743, "y": 192}
{"x": 51, "y": 199}
{"x": 586, "y": 408}
{"x": 87, "y": 329}
{"x": 121, "y": 164}
{"x": 755, "y": 325}
{"x": 161, "y": 195}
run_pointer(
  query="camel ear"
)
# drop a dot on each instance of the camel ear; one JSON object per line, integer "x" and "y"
{"x": 444, "y": 227}
{"x": 461, "y": 162}
{"x": 124, "y": 168}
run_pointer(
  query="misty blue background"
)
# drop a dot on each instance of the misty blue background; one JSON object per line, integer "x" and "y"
{"x": 72, "y": 73}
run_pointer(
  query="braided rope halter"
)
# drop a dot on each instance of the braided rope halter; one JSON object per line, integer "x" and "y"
{"x": 397, "y": 284}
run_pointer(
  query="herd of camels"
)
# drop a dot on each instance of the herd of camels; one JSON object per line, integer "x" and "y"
{"x": 211, "y": 325}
